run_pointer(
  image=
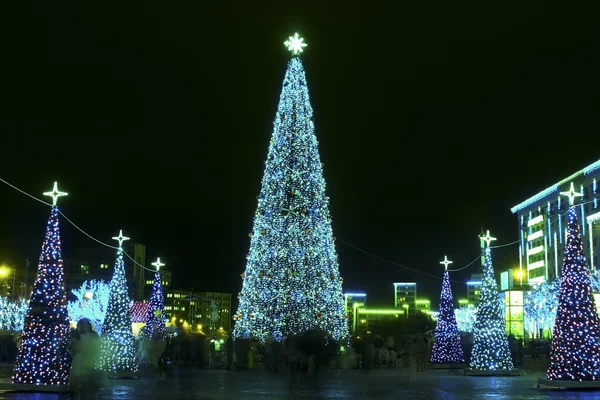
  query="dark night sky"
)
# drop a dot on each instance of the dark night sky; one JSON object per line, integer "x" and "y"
{"x": 155, "y": 117}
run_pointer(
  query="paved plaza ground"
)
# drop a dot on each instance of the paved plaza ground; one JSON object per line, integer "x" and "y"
{"x": 403, "y": 383}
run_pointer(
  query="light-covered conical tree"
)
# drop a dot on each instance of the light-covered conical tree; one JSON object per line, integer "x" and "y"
{"x": 490, "y": 343}
{"x": 43, "y": 358}
{"x": 292, "y": 282}
{"x": 446, "y": 346}
{"x": 155, "y": 319}
{"x": 117, "y": 344}
{"x": 576, "y": 336}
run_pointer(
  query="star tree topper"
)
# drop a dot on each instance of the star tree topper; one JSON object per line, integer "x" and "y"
{"x": 295, "y": 44}
{"x": 446, "y": 262}
{"x": 55, "y": 194}
{"x": 120, "y": 238}
{"x": 571, "y": 194}
{"x": 158, "y": 264}
{"x": 487, "y": 238}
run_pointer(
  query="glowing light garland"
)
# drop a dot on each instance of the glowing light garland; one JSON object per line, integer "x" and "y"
{"x": 155, "y": 319}
{"x": 43, "y": 357}
{"x": 292, "y": 282}
{"x": 92, "y": 301}
{"x": 576, "y": 336}
{"x": 490, "y": 343}
{"x": 117, "y": 344}
{"x": 446, "y": 346}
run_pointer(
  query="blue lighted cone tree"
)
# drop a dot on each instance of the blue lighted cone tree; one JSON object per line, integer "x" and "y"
{"x": 490, "y": 343}
{"x": 576, "y": 336}
{"x": 43, "y": 357}
{"x": 292, "y": 282}
{"x": 446, "y": 346}
{"x": 117, "y": 344}
{"x": 155, "y": 320}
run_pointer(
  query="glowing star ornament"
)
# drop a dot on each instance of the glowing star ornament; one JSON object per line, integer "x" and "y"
{"x": 55, "y": 194}
{"x": 571, "y": 194}
{"x": 158, "y": 264}
{"x": 295, "y": 44}
{"x": 487, "y": 238}
{"x": 446, "y": 262}
{"x": 120, "y": 238}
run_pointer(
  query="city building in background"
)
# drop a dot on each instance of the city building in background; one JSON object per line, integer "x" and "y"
{"x": 367, "y": 319}
{"x": 474, "y": 289}
{"x": 351, "y": 302}
{"x": 542, "y": 225}
{"x": 405, "y": 296}
{"x": 205, "y": 312}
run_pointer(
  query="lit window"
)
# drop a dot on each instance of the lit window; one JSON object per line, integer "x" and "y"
{"x": 103, "y": 266}
{"x": 170, "y": 295}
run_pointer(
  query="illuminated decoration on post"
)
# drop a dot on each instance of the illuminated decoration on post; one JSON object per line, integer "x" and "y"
{"x": 446, "y": 346}
{"x": 117, "y": 344}
{"x": 43, "y": 358}
{"x": 295, "y": 44}
{"x": 292, "y": 282}
{"x": 487, "y": 238}
{"x": 490, "y": 343}
{"x": 576, "y": 336}
{"x": 120, "y": 239}
{"x": 158, "y": 264}
{"x": 155, "y": 317}
{"x": 55, "y": 194}
{"x": 571, "y": 194}
{"x": 446, "y": 262}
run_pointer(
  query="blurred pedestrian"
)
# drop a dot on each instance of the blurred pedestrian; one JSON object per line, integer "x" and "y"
{"x": 85, "y": 351}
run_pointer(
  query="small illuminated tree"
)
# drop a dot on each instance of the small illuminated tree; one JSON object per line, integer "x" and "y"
{"x": 91, "y": 303}
{"x": 43, "y": 357}
{"x": 12, "y": 314}
{"x": 490, "y": 343}
{"x": 155, "y": 320}
{"x": 576, "y": 336}
{"x": 540, "y": 307}
{"x": 117, "y": 344}
{"x": 446, "y": 346}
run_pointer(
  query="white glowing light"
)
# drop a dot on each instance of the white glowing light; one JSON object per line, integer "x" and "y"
{"x": 120, "y": 238}
{"x": 571, "y": 194}
{"x": 55, "y": 194}
{"x": 487, "y": 238}
{"x": 446, "y": 262}
{"x": 295, "y": 44}
{"x": 158, "y": 264}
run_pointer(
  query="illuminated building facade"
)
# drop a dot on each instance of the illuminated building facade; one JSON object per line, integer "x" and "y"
{"x": 367, "y": 319}
{"x": 405, "y": 296}
{"x": 474, "y": 289}
{"x": 542, "y": 225}
{"x": 352, "y": 301}
{"x": 208, "y": 312}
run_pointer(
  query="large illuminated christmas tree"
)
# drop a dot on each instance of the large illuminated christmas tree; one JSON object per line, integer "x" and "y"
{"x": 155, "y": 320}
{"x": 43, "y": 357}
{"x": 446, "y": 346}
{"x": 490, "y": 343}
{"x": 117, "y": 344}
{"x": 575, "y": 351}
{"x": 292, "y": 282}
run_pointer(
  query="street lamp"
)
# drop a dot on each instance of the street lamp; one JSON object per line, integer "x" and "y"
{"x": 4, "y": 271}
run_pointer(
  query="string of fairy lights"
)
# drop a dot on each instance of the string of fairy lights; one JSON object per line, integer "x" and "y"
{"x": 362, "y": 250}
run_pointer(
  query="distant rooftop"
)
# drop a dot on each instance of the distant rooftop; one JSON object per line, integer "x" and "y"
{"x": 554, "y": 189}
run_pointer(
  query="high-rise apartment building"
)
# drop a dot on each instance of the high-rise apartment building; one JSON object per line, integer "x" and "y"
{"x": 542, "y": 223}
{"x": 405, "y": 296}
